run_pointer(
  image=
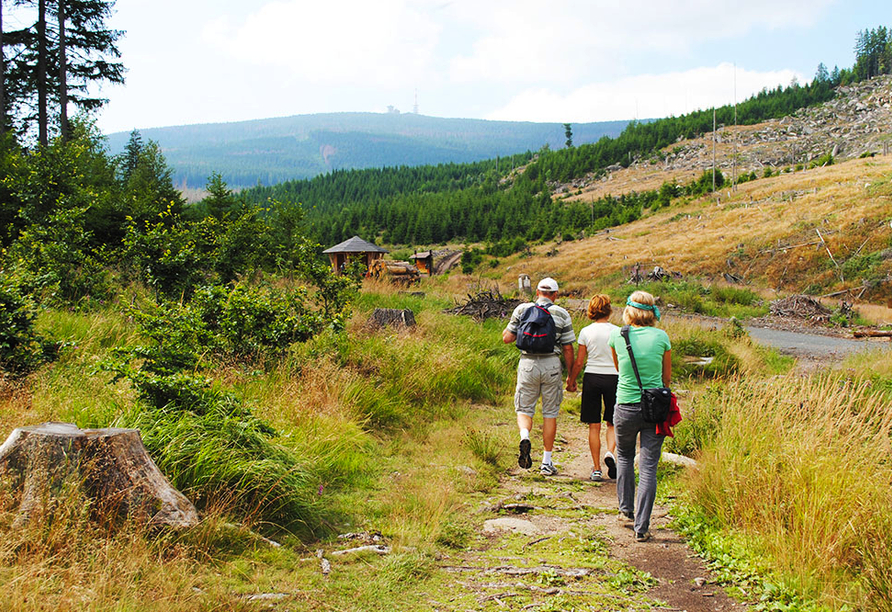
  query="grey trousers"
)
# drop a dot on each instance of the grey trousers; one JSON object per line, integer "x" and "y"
{"x": 628, "y": 424}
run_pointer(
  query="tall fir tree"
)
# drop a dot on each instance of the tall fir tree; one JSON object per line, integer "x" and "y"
{"x": 55, "y": 61}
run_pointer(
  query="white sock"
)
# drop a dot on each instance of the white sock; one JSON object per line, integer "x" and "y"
{"x": 546, "y": 457}
{"x": 524, "y": 434}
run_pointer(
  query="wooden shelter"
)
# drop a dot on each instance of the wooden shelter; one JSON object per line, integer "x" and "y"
{"x": 424, "y": 261}
{"x": 354, "y": 249}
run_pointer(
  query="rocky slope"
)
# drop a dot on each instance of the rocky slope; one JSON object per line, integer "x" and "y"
{"x": 856, "y": 122}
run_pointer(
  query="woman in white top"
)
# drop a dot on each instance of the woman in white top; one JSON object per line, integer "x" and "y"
{"x": 598, "y": 383}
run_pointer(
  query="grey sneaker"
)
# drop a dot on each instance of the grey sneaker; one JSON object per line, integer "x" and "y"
{"x": 524, "y": 460}
{"x": 642, "y": 536}
{"x": 596, "y": 476}
{"x": 624, "y": 519}
{"x": 548, "y": 469}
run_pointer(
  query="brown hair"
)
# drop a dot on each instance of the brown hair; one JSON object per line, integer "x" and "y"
{"x": 638, "y": 316}
{"x": 598, "y": 307}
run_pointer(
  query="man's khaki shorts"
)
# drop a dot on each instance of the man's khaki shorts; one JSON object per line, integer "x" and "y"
{"x": 539, "y": 376}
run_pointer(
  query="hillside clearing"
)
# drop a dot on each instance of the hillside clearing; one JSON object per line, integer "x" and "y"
{"x": 751, "y": 233}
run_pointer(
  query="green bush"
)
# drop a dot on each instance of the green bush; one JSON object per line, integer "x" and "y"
{"x": 206, "y": 440}
{"x": 22, "y": 349}
{"x": 166, "y": 256}
{"x": 56, "y": 263}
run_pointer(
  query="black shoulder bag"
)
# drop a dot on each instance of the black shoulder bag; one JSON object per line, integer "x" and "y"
{"x": 655, "y": 403}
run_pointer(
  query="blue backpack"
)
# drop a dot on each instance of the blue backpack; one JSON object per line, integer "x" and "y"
{"x": 536, "y": 332}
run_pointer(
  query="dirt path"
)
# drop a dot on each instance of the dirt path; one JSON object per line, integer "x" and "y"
{"x": 555, "y": 544}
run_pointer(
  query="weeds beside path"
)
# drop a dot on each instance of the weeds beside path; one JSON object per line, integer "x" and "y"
{"x": 555, "y": 544}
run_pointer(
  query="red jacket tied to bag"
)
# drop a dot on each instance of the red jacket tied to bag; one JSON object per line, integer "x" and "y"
{"x": 674, "y": 418}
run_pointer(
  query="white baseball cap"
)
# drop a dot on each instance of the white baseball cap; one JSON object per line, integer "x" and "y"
{"x": 547, "y": 284}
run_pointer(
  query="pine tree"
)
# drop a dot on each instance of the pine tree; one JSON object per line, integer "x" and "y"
{"x": 55, "y": 62}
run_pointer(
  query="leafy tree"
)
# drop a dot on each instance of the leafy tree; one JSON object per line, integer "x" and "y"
{"x": 568, "y": 133}
{"x": 821, "y": 75}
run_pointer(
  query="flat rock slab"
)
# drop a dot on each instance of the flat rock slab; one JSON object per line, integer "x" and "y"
{"x": 517, "y": 525}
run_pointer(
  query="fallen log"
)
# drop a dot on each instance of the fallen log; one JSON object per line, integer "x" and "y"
{"x": 111, "y": 466}
{"x": 872, "y": 333}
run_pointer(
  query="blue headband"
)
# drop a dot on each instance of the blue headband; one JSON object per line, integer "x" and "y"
{"x": 654, "y": 309}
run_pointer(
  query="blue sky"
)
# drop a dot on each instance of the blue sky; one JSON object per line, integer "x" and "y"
{"x": 200, "y": 61}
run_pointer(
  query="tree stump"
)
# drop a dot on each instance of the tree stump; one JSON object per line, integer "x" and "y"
{"x": 111, "y": 466}
{"x": 393, "y": 317}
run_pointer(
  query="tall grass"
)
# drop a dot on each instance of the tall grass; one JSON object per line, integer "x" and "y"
{"x": 804, "y": 466}
{"x": 433, "y": 370}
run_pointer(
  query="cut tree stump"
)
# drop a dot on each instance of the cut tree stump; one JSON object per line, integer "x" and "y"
{"x": 111, "y": 466}
{"x": 392, "y": 317}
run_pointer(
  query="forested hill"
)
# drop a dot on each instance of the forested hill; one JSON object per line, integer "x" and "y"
{"x": 270, "y": 151}
{"x": 488, "y": 201}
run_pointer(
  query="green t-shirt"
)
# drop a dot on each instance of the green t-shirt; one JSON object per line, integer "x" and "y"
{"x": 649, "y": 344}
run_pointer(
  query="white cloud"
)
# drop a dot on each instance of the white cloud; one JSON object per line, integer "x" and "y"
{"x": 644, "y": 96}
{"x": 381, "y": 42}
{"x": 531, "y": 41}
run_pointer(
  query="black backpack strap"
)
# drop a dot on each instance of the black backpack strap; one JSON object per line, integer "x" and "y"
{"x": 624, "y": 332}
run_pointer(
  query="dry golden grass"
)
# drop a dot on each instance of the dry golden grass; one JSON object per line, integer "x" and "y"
{"x": 739, "y": 232}
{"x": 795, "y": 466}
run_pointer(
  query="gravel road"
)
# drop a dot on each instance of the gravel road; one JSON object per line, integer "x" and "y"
{"x": 814, "y": 346}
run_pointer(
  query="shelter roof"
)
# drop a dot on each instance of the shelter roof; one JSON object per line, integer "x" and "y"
{"x": 356, "y": 245}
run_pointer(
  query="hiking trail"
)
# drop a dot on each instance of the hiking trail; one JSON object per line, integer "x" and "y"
{"x": 554, "y": 543}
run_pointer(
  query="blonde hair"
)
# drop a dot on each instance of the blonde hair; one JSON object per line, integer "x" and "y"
{"x": 598, "y": 307}
{"x": 638, "y": 316}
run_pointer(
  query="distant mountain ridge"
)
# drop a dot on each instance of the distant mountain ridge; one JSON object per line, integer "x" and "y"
{"x": 270, "y": 151}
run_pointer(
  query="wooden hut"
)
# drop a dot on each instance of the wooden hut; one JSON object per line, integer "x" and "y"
{"x": 354, "y": 249}
{"x": 424, "y": 261}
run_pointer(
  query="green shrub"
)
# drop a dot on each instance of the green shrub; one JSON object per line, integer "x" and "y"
{"x": 222, "y": 324}
{"x": 22, "y": 348}
{"x": 56, "y": 263}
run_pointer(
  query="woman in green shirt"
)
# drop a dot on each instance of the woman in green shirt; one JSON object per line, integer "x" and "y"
{"x": 653, "y": 354}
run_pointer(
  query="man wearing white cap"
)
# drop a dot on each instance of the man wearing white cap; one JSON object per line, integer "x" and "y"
{"x": 542, "y": 339}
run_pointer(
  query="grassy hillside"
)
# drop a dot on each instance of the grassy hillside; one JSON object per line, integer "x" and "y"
{"x": 765, "y": 232}
{"x": 269, "y": 151}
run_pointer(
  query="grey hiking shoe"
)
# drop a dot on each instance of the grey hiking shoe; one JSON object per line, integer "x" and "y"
{"x": 548, "y": 469}
{"x": 524, "y": 460}
{"x": 642, "y": 536}
{"x": 626, "y": 520}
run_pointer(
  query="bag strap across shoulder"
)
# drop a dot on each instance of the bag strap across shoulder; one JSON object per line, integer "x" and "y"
{"x": 624, "y": 332}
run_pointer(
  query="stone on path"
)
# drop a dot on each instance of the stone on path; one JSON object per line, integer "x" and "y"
{"x": 510, "y": 524}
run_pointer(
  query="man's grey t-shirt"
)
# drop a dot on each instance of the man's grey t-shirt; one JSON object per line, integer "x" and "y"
{"x": 562, "y": 322}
